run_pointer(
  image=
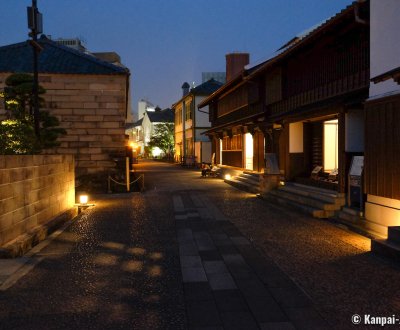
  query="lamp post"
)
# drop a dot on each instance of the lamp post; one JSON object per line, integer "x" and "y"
{"x": 36, "y": 27}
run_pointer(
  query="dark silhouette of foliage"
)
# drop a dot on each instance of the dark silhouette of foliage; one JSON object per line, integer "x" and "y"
{"x": 17, "y": 134}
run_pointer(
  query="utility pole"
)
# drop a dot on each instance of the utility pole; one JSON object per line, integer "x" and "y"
{"x": 36, "y": 27}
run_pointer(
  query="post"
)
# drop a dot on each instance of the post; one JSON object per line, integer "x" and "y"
{"x": 128, "y": 188}
{"x": 35, "y": 24}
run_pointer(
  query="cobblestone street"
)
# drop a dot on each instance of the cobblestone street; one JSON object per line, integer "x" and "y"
{"x": 196, "y": 253}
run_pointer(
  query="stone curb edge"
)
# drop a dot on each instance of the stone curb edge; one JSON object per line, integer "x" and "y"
{"x": 23, "y": 243}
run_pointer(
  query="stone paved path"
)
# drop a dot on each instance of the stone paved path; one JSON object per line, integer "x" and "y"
{"x": 195, "y": 253}
{"x": 228, "y": 284}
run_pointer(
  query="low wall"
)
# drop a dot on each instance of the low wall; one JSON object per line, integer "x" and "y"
{"x": 33, "y": 191}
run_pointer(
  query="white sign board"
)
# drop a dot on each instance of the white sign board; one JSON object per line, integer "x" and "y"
{"x": 357, "y": 165}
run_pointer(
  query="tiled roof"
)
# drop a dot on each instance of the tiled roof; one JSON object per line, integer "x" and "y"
{"x": 163, "y": 116}
{"x": 206, "y": 88}
{"x": 135, "y": 124}
{"x": 54, "y": 58}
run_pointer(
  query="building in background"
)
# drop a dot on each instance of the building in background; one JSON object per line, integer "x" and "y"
{"x": 88, "y": 95}
{"x": 142, "y": 130}
{"x": 218, "y": 76}
{"x": 143, "y": 107}
{"x": 190, "y": 145}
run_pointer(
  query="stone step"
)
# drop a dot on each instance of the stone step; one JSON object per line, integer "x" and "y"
{"x": 323, "y": 197}
{"x": 255, "y": 175}
{"x": 320, "y": 191}
{"x": 386, "y": 248}
{"x": 394, "y": 234}
{"x": 249, "y": 187}
{"x": 306, "y": 200}
{"x": 348, "y": 217}
{"x": 316, "y": 213}
{"x": 247, "y": 179}
{"x": 351, "y": 211}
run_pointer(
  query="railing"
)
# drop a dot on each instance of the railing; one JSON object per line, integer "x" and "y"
{"x": 128, "y": 184}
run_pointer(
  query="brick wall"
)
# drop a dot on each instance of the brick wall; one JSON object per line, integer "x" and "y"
{"x": 33, "y": 191}
{"x": 92, "y": 108}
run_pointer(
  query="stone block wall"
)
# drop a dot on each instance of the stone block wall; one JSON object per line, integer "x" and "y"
{"x": 33, "y": 191}
{"x": 92, "y": 109}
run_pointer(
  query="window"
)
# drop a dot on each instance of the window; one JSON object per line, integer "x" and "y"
{"x": 188, "y": 108}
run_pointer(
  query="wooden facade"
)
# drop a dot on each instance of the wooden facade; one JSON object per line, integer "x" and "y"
{"x": 314, "y": 78}
{"x": 382, "y": 152}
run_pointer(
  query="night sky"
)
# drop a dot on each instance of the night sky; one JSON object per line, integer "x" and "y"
{"x": 167, "y": 42}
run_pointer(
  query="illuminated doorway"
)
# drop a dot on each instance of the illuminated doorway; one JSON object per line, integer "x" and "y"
{"x": 249, "y": 151}
{"x": 331, "y": 141}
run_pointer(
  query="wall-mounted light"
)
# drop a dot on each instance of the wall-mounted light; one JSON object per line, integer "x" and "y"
{"x": 227, "y": 177}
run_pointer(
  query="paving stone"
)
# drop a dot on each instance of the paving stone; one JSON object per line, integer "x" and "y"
{"x": 221, "y": 281}
{"x": 197, "y": 225}
{"x": 203, "y": 313}
{"x": 193, "y": 215}
{"x": 238, "y": 320}
{"x": 216, "y": 236}
{"x": 197, "y": 291}
{"x": 306, "y": 318}
{"x": 291, "y": 297}
{"x": 181, "y": 224}
{"x": 194, "y": 274}
{"x": 188, "y": 249}
{"x": 185, "y": 235}
{"x": 228, "y": 249}
{"x": 205, "y": 245}
{"x": 234, "y": 259}
{"x": 215, "y": 267}
{"x": 252, "y": 288}
{"x": 191, "y": 261}
{"x": 210, "y": 255}
{"x": 274, "y": 278}
{"x": 265, "y": 309}
{"x": 240, "y": 240}
{"x": 230, "y": 300}
{"x": 277, "y": 326}
{"x": 206, "y": 328}
{"x": 181, "y": 217}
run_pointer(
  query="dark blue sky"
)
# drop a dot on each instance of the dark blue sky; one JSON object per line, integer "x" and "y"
{"x": 167, "y": 42}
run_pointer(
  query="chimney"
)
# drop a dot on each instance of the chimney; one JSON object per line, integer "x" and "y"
{"x": 185, "y": 89}
{"x": 235, "y": 63}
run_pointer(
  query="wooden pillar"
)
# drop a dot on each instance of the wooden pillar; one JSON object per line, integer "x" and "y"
{"x": 342, "y": 151}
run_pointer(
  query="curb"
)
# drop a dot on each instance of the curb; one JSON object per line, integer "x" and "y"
{"x": 23, "y": 243}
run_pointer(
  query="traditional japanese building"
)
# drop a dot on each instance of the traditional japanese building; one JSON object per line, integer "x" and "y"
{"x": 304, "y": 104}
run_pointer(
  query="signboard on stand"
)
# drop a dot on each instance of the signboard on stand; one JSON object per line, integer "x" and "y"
{"x": 355, "y": 182}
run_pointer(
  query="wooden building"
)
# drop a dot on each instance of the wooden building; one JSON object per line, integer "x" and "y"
{"x": 305, "y": 104}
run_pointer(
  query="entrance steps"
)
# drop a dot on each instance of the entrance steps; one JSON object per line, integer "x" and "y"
{"x": 389, "y": 247}
{"x": 246, "y": 181}
{"x": 318, "y": 202}
{"x": 349, "y": 215}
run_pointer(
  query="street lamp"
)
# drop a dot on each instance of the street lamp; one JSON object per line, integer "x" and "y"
{"x": 36, "y": 26}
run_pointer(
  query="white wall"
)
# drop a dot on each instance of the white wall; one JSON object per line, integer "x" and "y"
{"x": 385, "y": 43}
{"x": 201, "y": 117}
{"x": 355, "y": 131}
